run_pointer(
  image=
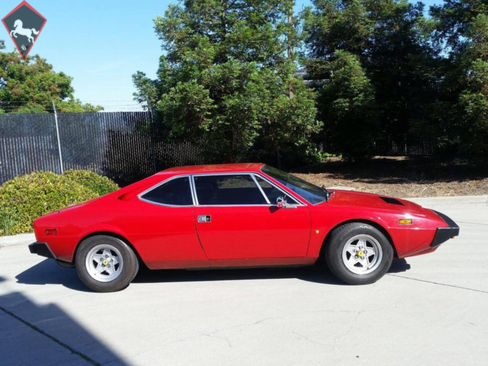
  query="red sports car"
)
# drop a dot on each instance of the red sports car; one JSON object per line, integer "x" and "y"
{"x": 235, "y": 215}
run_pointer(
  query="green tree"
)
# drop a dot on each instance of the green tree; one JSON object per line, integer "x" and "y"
{"x": 333, "y": 25}
{"x": 227, "y": 76}
{"x": 390, "y": 42}
{"x": 461, "y": 113}
{"x": 346, "y": 104}
{"x": 30, "y": 87}
{"x": 453, "y": 21}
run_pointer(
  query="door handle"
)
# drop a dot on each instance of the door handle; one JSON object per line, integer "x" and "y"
{"x": 204, "y": 218}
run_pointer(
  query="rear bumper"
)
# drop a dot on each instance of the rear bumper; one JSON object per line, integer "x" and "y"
{"x": 443, "y": 234}
{"x": 41, "y": 249}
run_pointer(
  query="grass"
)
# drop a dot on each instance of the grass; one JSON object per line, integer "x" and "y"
{"x": 402, "y": 176}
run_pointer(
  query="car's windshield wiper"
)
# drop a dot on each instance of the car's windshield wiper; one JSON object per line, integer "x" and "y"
{"x": 327, "y": 193}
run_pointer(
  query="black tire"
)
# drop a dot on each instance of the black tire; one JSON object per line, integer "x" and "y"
{"x": 124, "y": 271}
{"x": 369, "y": 268}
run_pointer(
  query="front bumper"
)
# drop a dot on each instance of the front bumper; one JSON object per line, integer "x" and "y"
{"x": 41, "y": 249}
{"x": 443, "y": 234}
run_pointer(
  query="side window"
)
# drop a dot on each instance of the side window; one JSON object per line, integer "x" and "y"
{"x": 272, "y": 192}
{"x": 175, "y": 192}
{"x": 228, "y": 190}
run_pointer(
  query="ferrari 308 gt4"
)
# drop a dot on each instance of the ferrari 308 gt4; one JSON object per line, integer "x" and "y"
{"x": 235, "y": 215}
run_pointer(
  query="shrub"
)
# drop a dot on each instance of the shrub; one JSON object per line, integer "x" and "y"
{"x": 94, "y": 182}
{"x": 27, "y": 197}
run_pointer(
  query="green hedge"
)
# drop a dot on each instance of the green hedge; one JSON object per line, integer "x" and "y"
{"x": 94, "y": 182}
{"x": 30, "y": 196}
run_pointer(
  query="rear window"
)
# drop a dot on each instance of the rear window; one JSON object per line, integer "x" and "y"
{"x": 175, "y": 192}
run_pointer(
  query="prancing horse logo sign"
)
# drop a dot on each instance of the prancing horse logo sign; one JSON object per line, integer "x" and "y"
{"x": 24, "y": 24}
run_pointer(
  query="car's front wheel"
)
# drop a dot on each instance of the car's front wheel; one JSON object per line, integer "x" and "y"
{"x": 358, "y": 253}
{"x": 105, "y": 263}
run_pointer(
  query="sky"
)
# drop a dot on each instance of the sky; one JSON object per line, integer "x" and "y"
{"x": 101, "y": 44}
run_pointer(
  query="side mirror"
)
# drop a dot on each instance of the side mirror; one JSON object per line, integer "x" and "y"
{"x": 281, "y": 202}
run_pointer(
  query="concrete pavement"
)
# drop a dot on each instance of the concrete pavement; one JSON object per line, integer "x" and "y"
{"x": 428, "y": 310}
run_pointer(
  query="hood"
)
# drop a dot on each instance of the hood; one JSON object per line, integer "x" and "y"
{"x": 373, "y": 201}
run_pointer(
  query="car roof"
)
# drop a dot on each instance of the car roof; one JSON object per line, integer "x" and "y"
{"x": 196, "y": 169}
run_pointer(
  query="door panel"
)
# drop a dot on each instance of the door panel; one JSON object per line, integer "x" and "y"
{"x": 244, "y": 232}
{"x": 165, "y": 237}
{"x": 161, "y": 226}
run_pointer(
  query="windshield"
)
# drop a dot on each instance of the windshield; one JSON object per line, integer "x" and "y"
{"x": 308, "y": 191}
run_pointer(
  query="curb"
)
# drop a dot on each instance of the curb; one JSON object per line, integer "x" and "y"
{"x": 453, "y": 200}
{"x": 12, "y": 240}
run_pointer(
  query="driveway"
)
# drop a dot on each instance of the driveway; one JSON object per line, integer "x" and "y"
{"x": 427, "y": 310}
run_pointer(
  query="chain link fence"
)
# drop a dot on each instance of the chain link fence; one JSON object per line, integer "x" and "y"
{"x": 118, "y": 145}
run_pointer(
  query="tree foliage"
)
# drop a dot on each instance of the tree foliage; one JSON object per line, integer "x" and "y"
{"x": 30, "y": 87}
{"x": 346, "y": 104}
{"x": 389, "y": 43}
{"x": 227, "y": 76}
{"x": 462, "y": 108}
{"x": 384, "y": 75}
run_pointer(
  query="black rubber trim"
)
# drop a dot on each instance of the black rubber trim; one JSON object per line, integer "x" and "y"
{"x": 447, "y": 219}
{"x": 443, "y": 234}
{"x": 41, "y": 249}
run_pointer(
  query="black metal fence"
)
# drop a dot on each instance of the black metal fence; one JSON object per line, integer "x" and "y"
{"x": 118, "y": 145}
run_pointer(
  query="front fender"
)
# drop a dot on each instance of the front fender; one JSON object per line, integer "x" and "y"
{"x": 323, "y": 225}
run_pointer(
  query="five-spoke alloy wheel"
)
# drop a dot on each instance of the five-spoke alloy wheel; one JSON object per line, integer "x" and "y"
{"x": 358, "y": 253}
{"x": 362, "y": 254}
{"x": 105, "y": 263}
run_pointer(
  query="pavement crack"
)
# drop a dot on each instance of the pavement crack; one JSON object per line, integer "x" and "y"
{"x": 309, "y": 340}
{"x": 245, "y": 325}
{"x": 214, "y": 333}
{"x": 337, "y": 338}
{"x": 54, "y": 339}
{"x": 439, "y": 283}
{"x": 225, "y": 339}
{"x": 346, "y": 333}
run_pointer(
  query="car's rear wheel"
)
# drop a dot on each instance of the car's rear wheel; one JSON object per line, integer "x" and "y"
{"x": 358, "y": 253}
{"x": 105, "y": 263}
